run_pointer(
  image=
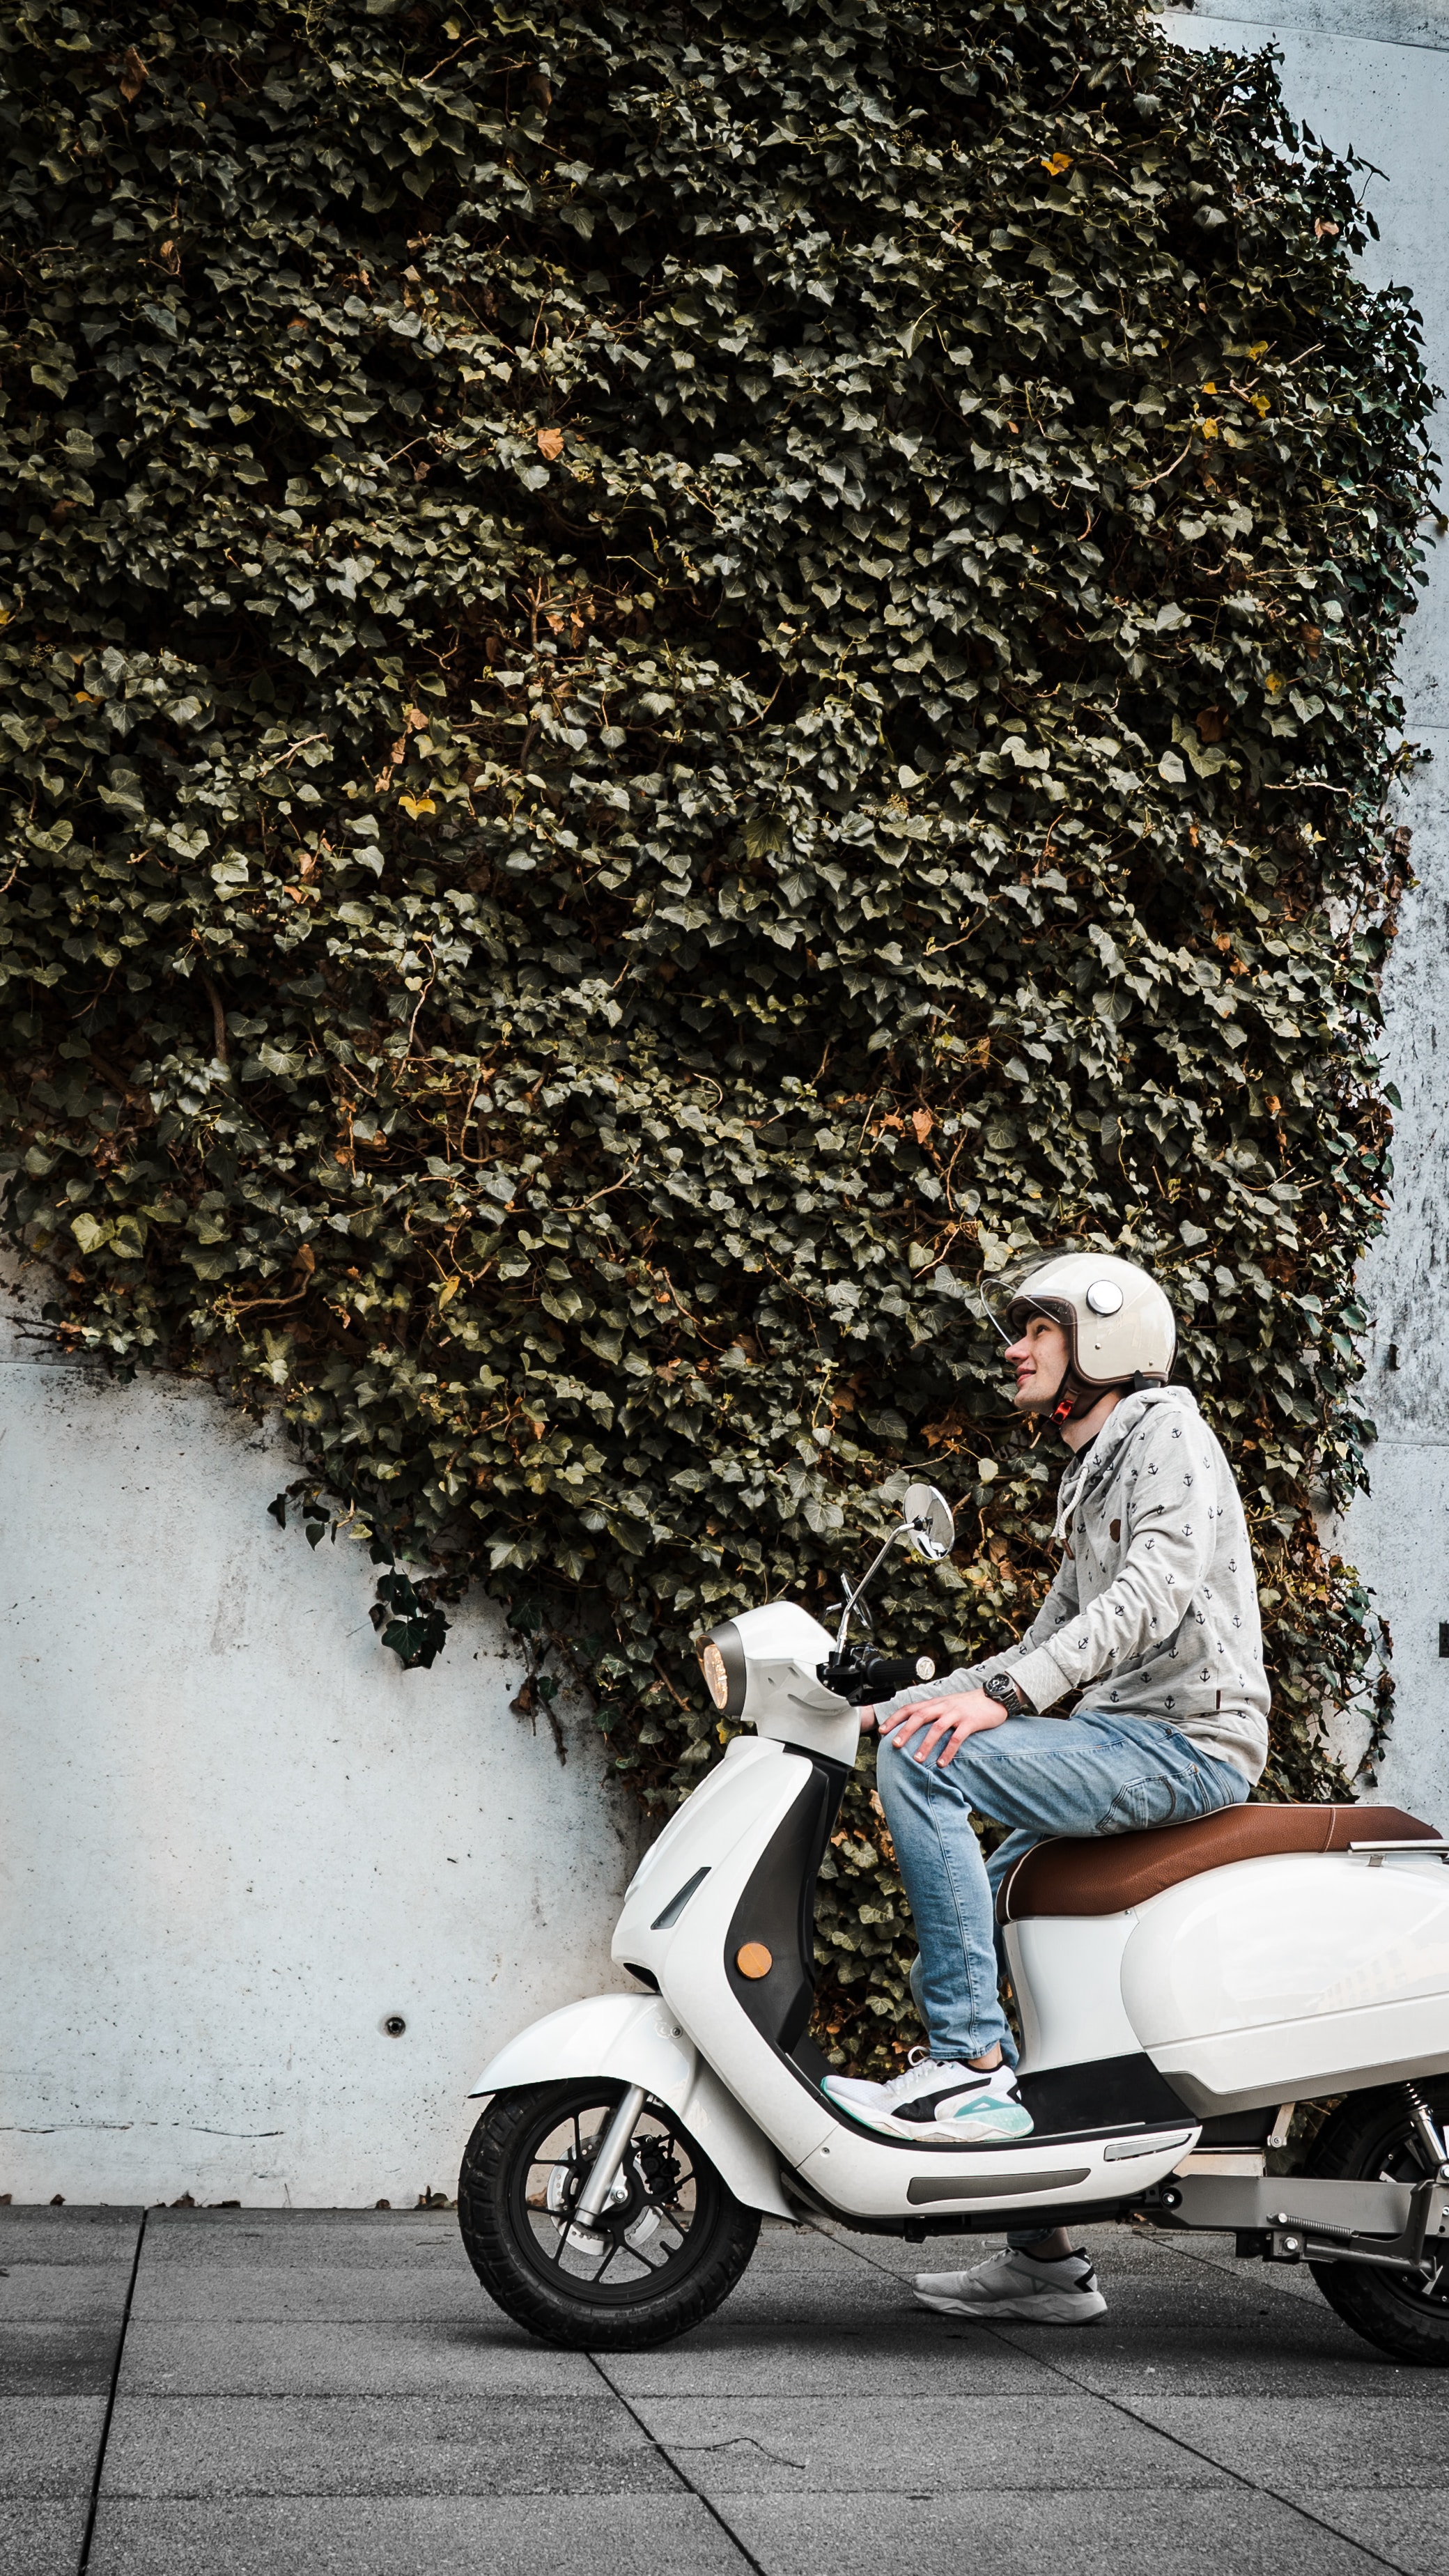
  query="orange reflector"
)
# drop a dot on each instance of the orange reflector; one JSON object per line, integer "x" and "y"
{"x": 753, "y": 1959}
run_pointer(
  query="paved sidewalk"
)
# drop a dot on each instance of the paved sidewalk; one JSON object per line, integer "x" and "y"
{"x": 320, "y": 2394}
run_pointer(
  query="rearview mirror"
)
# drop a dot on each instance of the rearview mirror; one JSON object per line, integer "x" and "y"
{"x": 930, "y": 1527}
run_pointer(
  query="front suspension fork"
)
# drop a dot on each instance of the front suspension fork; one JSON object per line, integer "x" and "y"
{"x": 612, "y": 2149}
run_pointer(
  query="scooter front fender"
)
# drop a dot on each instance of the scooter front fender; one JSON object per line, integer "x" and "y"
{"x": 635, "y": 2039}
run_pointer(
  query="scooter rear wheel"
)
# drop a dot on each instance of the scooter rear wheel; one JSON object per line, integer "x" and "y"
{"x": 1371, "y": 2137}
{"x": 669, "y": 2245}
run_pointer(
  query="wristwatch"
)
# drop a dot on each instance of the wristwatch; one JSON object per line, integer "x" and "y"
{"x": 1000, "y": 1686}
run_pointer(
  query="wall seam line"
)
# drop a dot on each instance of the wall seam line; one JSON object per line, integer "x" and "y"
{"x": 1277, "y": 26}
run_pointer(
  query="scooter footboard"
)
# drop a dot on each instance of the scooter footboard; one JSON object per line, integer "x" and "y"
{"x": 635, "y": 2039}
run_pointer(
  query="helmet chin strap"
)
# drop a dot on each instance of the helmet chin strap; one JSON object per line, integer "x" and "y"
{"x": 1073, "y": 1399}
{"x": 1076, "y": 1399}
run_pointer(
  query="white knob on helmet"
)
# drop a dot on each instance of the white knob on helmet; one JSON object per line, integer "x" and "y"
{"x": 1118, "y": 1323}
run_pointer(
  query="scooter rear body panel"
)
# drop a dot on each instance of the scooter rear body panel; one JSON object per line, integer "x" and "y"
{"x": 1291, "y": 1976}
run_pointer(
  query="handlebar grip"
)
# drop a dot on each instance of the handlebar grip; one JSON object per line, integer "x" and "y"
{"x": 887, "y": 1674}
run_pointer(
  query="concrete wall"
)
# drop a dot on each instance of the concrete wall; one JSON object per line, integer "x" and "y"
{"x": 235, "y": 1836}
{"x": 1375, "y": 74}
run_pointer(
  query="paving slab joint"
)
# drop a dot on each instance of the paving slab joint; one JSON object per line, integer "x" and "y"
{"x": 682, "y": 2474}
{"x": 93, "y": 2508}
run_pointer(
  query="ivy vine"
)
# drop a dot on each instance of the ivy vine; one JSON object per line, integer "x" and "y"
{"x": 677, "y": 679}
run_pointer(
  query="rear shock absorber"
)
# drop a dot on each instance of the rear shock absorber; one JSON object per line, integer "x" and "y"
{"x": 1422, "y": 2118}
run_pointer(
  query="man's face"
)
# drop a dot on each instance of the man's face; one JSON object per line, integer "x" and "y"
{"x": 1040, "y": 1362}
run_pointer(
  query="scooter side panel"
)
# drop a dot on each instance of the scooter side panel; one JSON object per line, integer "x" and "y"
{"x": 685, "y": 1822}
{"x": 1291, "y": 1975}
{"x": 863, "y": 2178}
{"x": 693, "y": 1975}
{"x": 731, "y": 2140}
{"x": 1067, "y": 1974}
{"x": 719, "y": 1829}
{"x": 635, "y": 2039}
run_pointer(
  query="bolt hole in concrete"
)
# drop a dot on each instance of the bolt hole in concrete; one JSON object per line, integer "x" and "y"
{"x": 394, "y": 2025}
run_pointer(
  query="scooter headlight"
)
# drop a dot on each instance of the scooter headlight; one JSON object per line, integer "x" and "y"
{"x": 722, "y": 1662}
{"x": 716, "y": 1679}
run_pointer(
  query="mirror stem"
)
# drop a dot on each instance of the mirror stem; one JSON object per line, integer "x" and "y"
{"x": 871, "y": 1571}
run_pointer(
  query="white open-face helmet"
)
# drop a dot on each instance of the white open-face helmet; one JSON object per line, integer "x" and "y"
{"x": 1118, "y": 1324}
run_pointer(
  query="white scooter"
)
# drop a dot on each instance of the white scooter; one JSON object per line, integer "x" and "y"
{"x": 1179, "y": 1990}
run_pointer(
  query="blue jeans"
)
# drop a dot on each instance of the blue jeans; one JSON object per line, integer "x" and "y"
{"x": 1088, "y": 1774}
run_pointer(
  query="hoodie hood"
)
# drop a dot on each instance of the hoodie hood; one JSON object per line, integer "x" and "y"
{"x": 1088, "y": 1470}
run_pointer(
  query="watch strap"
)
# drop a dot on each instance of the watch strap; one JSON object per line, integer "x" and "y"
{"x": 1001, "y": 1687}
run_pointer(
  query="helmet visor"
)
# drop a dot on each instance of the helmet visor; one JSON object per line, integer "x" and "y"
{"x": 1004, "y": 1301}
{"x": 1022, "y": 1308}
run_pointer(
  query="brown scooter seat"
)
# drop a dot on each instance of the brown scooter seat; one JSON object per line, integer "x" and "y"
{"x": 1108, "y": 1873}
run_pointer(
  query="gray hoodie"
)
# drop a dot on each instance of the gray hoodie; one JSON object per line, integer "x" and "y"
{"x": 1154, "y": 1610}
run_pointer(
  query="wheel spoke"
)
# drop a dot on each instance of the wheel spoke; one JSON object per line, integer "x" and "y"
{"x": 640, "y": 2256}
{"x": 608, "y": 2259}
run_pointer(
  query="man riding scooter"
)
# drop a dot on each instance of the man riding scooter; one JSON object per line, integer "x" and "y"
{"x": 1152, "y": 1619}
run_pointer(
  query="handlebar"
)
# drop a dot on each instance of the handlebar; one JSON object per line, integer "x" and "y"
{"x": 861, "y": 1676}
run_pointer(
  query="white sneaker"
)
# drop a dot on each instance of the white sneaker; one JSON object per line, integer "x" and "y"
{"x": 1013, "y": 2284}
{"x": 937, "y": 2101}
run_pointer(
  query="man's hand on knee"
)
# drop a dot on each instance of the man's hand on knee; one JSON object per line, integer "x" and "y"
{"x": 948, "y": 1723}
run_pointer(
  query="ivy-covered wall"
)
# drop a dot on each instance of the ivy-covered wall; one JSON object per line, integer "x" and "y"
{"x": 675, "y": 681}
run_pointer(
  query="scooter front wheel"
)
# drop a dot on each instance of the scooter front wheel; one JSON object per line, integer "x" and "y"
{"x": 668, "y": 2246}
{"x": 1372, "y": 2137}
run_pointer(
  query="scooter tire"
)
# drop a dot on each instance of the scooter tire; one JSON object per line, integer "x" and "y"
{"x": 508, "y": 2247}
{"x": 1370, "y": 2138}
